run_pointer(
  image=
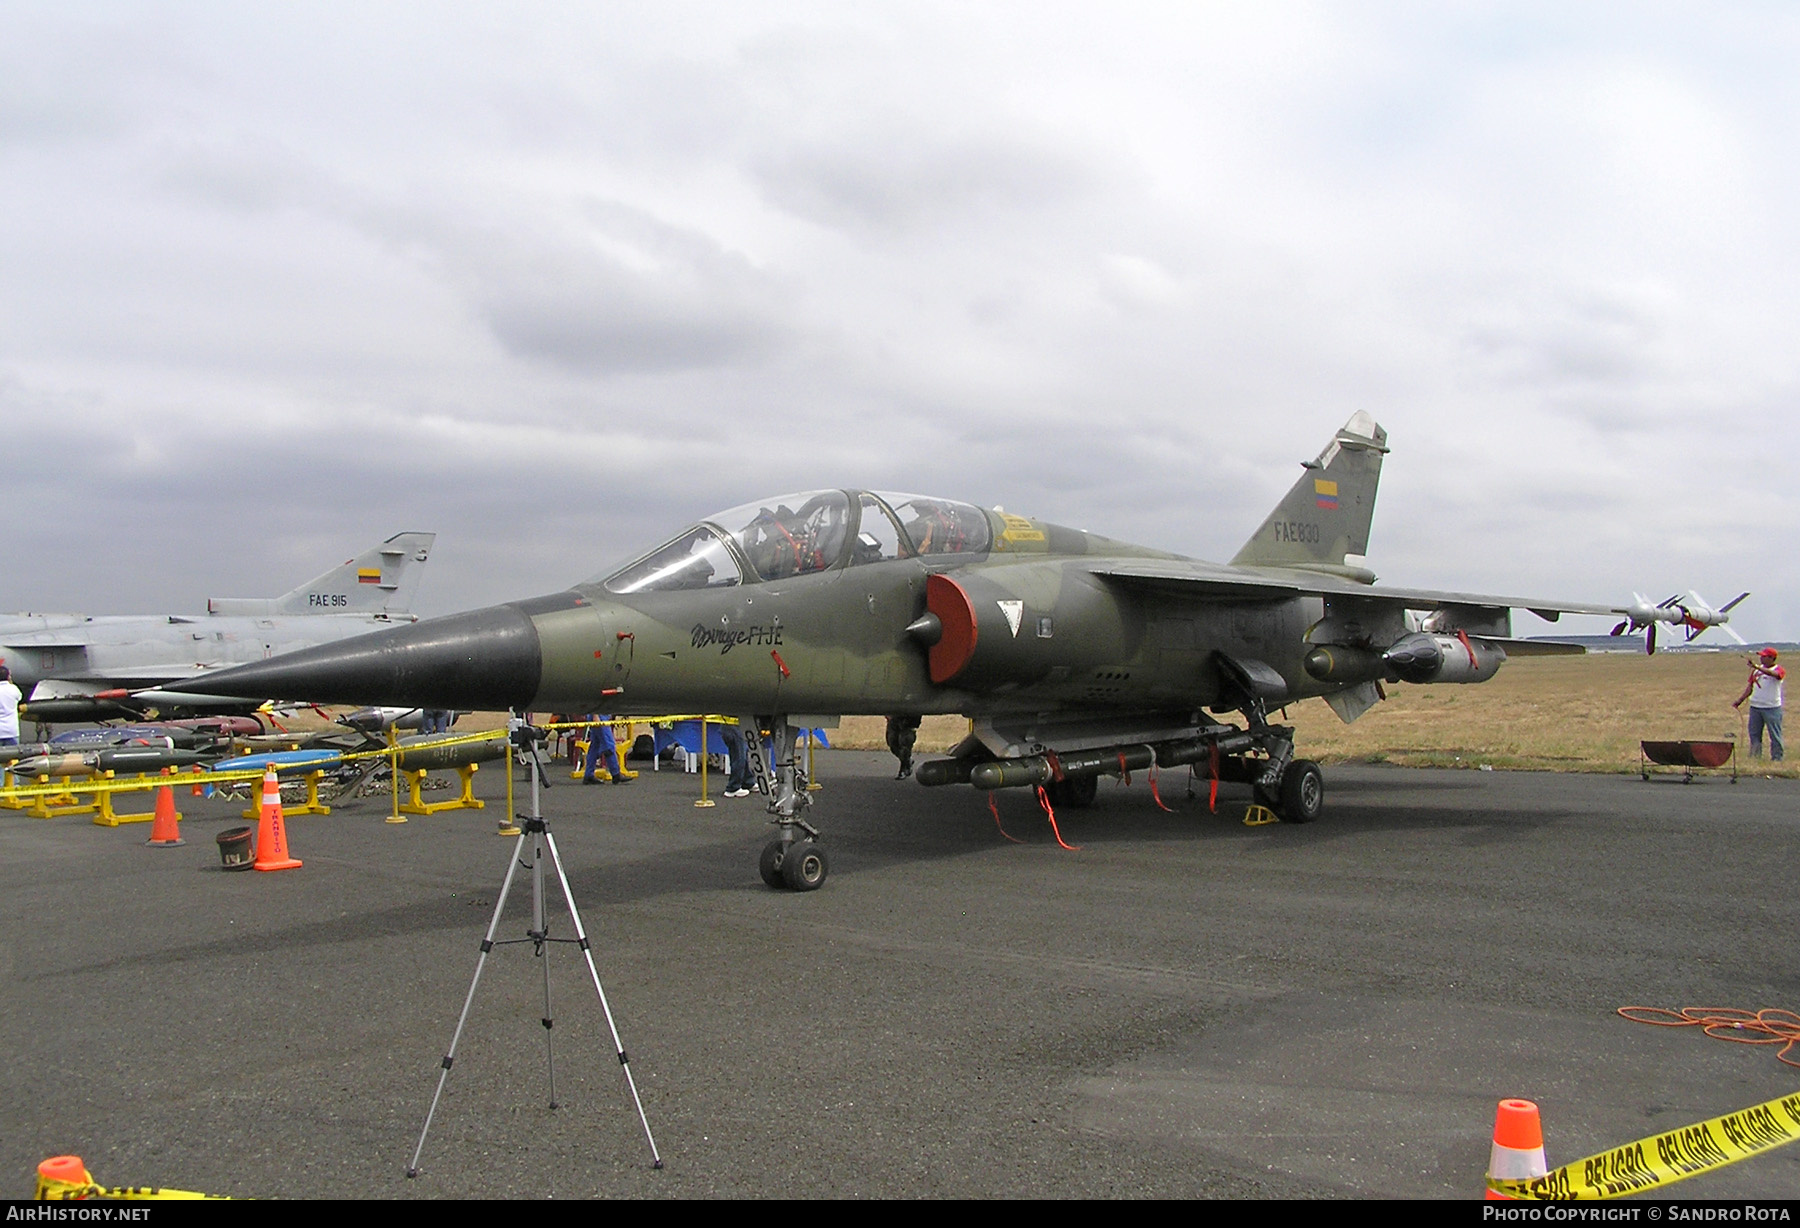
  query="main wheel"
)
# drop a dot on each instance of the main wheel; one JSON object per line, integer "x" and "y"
{"x": 805, "y": 866}
{"x": 769, "y": 865}
{"x": 1302, "y": 792}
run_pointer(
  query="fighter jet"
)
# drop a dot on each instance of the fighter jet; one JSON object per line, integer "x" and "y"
{"x": 74, "y": 667}
{"x": 1073, "y": 655}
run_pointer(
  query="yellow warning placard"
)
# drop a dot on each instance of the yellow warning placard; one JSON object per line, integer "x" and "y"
{"x": 1020, "y": 529}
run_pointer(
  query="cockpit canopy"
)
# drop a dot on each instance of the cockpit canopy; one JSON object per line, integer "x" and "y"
{"x": 796, "y": 535}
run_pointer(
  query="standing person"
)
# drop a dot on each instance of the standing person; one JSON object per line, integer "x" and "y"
{"x": 737, "y": 759}
{"x": 902, "y": 732}
{"x": 9, "y": 709}
{"x": 601, "y": 747}
{"x": 1764, "y": 693}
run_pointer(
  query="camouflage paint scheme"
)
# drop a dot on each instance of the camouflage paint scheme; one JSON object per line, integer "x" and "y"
{"x": 1072, "y": 654}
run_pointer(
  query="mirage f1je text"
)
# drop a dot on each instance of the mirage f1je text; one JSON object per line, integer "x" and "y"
{"x": 1074, "y": 656}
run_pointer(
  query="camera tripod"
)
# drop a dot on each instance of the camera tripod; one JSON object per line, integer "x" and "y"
{"x": 535, "y": 828}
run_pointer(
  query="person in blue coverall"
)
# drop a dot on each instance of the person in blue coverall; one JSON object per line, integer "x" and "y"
{"x": 601, "y": 747}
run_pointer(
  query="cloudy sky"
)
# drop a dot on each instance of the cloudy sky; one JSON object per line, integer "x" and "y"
{"x": 553, "y": 280}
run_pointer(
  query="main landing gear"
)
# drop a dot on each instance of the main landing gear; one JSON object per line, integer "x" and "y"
{"x": 1299, "y": 796}
{"x": 1293, "y": 788}
{"x": 794, "y": 859}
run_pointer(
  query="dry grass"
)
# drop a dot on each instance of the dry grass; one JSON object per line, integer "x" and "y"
{"x": 1565, "y": 714}
{"x": 1578, "y": 714}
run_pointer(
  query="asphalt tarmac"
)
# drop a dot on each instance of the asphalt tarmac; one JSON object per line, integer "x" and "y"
{"x": 1186, "y": 1007}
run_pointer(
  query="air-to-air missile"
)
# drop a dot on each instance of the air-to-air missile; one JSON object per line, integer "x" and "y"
{"x": 426, "y": 752}
{"x": 73, "y": 667}
{"x": 1073, "y": 655}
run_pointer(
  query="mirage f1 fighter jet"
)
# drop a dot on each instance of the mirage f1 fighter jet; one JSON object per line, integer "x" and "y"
{"x": 78, "y": 667}
{"x": 1075, "y": 656}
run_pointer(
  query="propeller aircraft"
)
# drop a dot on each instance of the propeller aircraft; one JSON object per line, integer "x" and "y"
{"x": 1691, "y": 613}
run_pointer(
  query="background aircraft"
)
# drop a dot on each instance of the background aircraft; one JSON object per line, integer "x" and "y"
{"x": 1074, "y": 655}
{"x": 75, "y": 667}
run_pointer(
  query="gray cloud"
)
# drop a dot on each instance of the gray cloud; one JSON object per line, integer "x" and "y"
{"x": 625, "y": 293}
{"x": 277, "y": 288}
{"x": 896, "y": 180}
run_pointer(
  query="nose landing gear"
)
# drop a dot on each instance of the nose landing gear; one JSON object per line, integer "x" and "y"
{"x": 795, "y": 859}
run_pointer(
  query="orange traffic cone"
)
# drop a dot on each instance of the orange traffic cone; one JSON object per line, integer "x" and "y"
{"x": 271, "y": 831}
{"x": 165, "y": 832}
{"x": 1518, "y": 1153}
{"x": 62, "y": 1177}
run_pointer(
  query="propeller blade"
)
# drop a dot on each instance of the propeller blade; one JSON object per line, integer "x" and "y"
{"x": 1726, "y": 608}
{"x": 1734, "y": 635}
{"x": 1620, "y": 629}
{"x": 1650, "y": 641}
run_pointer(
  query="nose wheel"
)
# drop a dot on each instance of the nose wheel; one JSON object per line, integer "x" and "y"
{"x": 800, "y": 865}
{"x": 795, "y": 859}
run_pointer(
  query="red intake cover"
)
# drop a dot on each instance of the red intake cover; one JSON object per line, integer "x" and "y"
{"x": 948, "y": 600}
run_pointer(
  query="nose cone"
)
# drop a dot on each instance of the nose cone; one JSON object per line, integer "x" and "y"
{"x": 482, "y": 660}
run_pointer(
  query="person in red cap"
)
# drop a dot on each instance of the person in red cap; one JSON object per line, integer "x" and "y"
{"x": 1764, "y": 693}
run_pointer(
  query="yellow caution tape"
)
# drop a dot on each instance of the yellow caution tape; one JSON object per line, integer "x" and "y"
{"x": 107, "y": 783}
{"x": 53, "y": 1189}
{"x": 1665, "y": 1158}
{"x": 65, "y": 1192}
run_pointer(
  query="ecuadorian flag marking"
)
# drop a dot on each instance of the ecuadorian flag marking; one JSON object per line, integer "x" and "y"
{"x": 1325, "y": 494}
{"x": 372, "y": 575}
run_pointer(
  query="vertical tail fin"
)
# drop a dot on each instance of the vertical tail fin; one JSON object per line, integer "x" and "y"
{"x": 382, "y": 580}
{"x": 1323, "y": 523}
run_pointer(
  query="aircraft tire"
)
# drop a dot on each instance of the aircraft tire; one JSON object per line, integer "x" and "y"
{"x": 805, "y": 866}
{"x": 1302, "y": 792}
{"x": 769, "y": 864}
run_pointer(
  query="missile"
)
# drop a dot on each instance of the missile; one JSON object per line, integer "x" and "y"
{"x": 146, "y": 758}
{"x": 1039, "y": 770}
{"x": 1339, "y": 663}
{"x": 282, "y": 761}
{"x": 117, "y": 759}
{"x": 56, "y": 765}
{"x": 132, "y": 735}
{"x": 435, "y": 751}
{"x": 64, "y": 709}
{"x": 1419, "y": 657}
{"x": 937, "y": 772}
{"x": 375, "y": 720}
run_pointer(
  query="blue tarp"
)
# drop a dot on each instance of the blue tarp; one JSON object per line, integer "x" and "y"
{"x": 686, "y": 735}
